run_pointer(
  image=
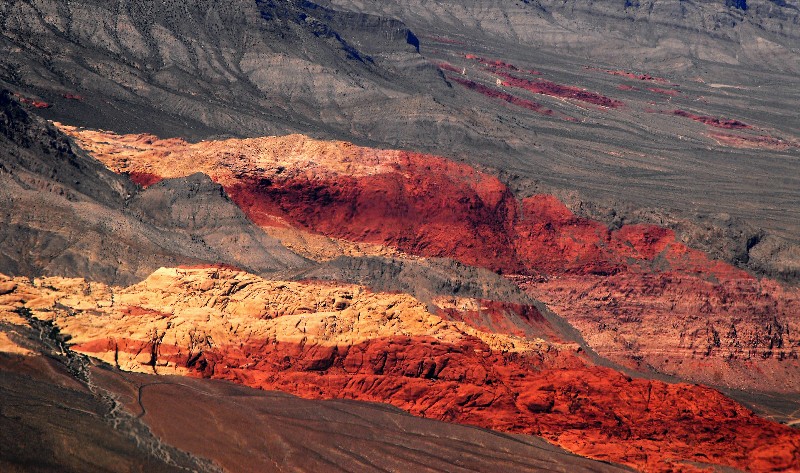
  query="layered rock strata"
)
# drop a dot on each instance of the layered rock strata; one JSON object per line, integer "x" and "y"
{"x": 639, "y": 296}
{"x": 321, "y": 341}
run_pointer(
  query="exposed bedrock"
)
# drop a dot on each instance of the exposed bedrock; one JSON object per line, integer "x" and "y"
{"x": 63, "y": 411}
{"x": 616, "y": 284}
{"x": 64, "y": 213}
{"x": 321, "y": 340}
{"x": 367, "y": 72}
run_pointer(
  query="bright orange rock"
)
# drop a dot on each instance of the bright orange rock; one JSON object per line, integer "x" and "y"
{"x": 324, "y": 341}
{"x": 639, "y": 296}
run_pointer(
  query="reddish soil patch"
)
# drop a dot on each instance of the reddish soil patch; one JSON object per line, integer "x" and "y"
{"x": 557, "y": 90}
{"x": 756, "y": 142}
{"x": 494, "y": 93}
{"x": 144, "y": 179}
{"x": 33, "y": 102}
{"x": 495, "y": 65}
{"x": 448, "y": 67}
{"x": 712, "y": 121}
{"x": 629, "y": 75}
{"x": 642, "y": 77}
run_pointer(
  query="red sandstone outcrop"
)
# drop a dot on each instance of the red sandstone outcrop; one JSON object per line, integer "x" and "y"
{"x": 494, "y": 65}
{"x": 323, "y": 340}
{"x": 638, "y": 295}
{"x": 634, "y": 76}
{"x": 35, "y": 103}
{"x": 754, "y": 141}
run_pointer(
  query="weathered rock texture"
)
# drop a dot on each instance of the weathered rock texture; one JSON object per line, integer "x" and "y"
{"x": 322, "y": 341}
{"x": 62, "y": 212}
{"x": 639, "y": 296}
{"x": 201, "y": 69}
{"x": 62, "y": 411}
{"x": 662, "y": 34}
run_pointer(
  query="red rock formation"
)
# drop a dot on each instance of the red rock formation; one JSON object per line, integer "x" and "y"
{"x": 552, "y": 240}
{"x": 442, "y": 209}
{"x": 754, "y": 142}
{"x": 446, "y": 66}
{"x": 712, "y": 121}
{"x": 494, "y": 93}
{"x": 493, "y": 62}
{"x": 649, "y": 423}
{"x": 324, "y": 341}
{"x": 33, "y": 102}
{"x": 498, "y": 317}
{"x": 592, "y": 411}
{"x": 715, "y": 330}
{"x": 637, "y": 294}
{"x": 632, "y": 75}
{"x": 545, "y": 87}
{"x": 144, "y": 179}
{"x": 496, "y": 64}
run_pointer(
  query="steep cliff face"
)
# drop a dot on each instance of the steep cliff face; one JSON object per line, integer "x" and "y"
{"x": 321, "y": 341}
{"x": 618, "y": 286}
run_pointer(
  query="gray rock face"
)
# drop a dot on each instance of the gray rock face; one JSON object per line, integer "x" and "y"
{"x": 64, "y": 213}
{"x": 656, "y": 34}
{"x": 197, "y": 209}
{"x": 424, "y": 279}
{"x": 206, "y": 67}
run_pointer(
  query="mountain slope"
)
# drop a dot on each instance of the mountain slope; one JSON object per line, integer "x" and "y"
{"x": 616, "y": 285}
{"x": 65, "y": 213}
{"x": 202, "y": 69}
{"x": 322, "y": 340}
{"x": 64, "y": 412}
{"x": 548, "y": 218}
{"x": 206, "y": 67}
{"x": 661, "y": 35}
